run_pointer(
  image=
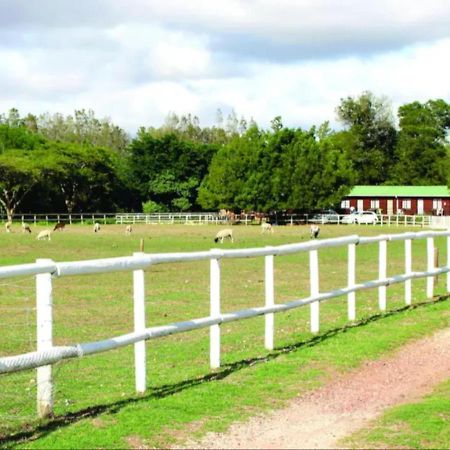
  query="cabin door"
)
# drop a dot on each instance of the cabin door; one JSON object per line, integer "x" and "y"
{"x": 360, "y": 205}
{"x": 390, "y": 207}
{"x": 420, "y": 206}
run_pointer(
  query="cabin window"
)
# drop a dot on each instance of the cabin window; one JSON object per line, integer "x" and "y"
{"x": 406, "y": 203}
{"x": 374, "y": 203}
{"x": 437, "y": 203}
{"x": 345, "y": 204}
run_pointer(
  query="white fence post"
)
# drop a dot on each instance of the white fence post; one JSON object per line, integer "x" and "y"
{"x": 140, "y": 358}
{"x": 430, "y": 266}
{"x": 314, "y": 287}
{"x": 408, "y": 270}
{"x": 270, "y": 301}
{"x": 214, "y": 351}
{"x": 448, "y": 263}
{"x": 351, "y": 297}
{"x": 44, "y": 338}
{"x": 382, "y": 274}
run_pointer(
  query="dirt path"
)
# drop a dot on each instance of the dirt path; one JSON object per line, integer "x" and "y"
{"x": 321, "y": 418}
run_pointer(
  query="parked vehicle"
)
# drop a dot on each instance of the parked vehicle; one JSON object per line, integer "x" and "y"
{"x": 349, "y": 218}
{"x": 360, "y": 217}
{"x": 326, "y": 216}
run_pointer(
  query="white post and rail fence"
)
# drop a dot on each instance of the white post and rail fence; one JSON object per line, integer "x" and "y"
{"x": 47, "y": 354}
{"x": 213, "y": 218}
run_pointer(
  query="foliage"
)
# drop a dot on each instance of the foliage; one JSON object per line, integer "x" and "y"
{"x": 370, "y": 121}
{"x": 421, "y": 151}
{"x": 225, "y": 185}
{"x": 168, "y": 170}
{"x": 19, "y": 172}
{"x": 17, "y": 137}
{"x": 85, "y": 176}
{"x": 282, "y": 169}
{"x": 82, "y": 128}
{"x": 150, "y": 207}
{"x": 234, "y": 164}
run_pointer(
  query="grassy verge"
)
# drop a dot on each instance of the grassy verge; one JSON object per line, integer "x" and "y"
{"x": 424, "y": 424}
{"x": 94, "y": 401}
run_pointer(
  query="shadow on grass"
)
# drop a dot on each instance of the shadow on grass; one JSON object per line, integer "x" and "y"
{"x": 39, "y": 430}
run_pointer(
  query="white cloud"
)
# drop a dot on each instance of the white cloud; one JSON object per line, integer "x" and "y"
{"x": 138, "y": 60}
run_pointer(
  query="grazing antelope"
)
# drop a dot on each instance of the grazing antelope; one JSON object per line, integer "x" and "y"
{"x": 44, "y": 234}
{"x": 227, "y": 233}
{"x": 26, "y": 228}
{"x": 314, "y": 231}
{"x": 59, "y": 226}
{"x": 266, "y": 228}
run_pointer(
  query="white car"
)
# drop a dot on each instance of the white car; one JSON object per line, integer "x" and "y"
{"x": 349, "y": 218}
{"x": 359, "y": 217}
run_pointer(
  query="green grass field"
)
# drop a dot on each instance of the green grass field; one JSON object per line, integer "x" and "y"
{"x": 422, "y": 424}
{"x": 95, "y": 403}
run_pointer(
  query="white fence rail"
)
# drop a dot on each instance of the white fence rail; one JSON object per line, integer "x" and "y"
{"x": 213, "y": 218}
{"x": 47, "y": 354}
{"x": 383, "y": 219}
{"x": 171, "y": 218}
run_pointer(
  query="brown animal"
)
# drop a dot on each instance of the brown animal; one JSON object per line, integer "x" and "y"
{"x": 59, "y": 226}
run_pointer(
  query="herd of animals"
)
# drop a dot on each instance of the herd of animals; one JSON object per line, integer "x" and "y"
{"x": 221, "y": 236}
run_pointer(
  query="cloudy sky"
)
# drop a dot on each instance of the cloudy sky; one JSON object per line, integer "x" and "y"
{"x": 137, "y": 60}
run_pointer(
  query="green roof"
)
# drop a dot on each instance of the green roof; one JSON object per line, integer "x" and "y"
{"x": 399, "y": 191}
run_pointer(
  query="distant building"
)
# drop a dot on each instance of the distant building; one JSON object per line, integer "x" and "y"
{"x": 430, "y": 200}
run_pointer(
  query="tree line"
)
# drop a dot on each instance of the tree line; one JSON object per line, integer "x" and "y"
{"x": 79, "y": 163}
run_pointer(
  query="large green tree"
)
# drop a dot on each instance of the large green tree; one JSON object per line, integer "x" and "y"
{"x": 369, "y": 121}
{"x": 422, "y": 150}
{"x": 226, "y": 184}
{"x": 21, "y": 163}
{"x": 279, "y": 169}
{"x": 168, "y": 170}
{"x": 85, "y": 176}
{"x": 314, "y": 173}
{"x": 20, "y": 171}
{"x": 83, "y": 128}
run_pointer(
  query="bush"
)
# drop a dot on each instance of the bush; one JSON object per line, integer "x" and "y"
{"x": 152, "y": 207}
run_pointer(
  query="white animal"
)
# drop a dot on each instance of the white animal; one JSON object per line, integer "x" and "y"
{"x": 128, "y": 230}
{"x": 266, "y": 228}
{"x": 44, "y": 234}
{"x": 226, "y": 233}
{"x": 26, "y": 227}
{"x": 314, "y": 231}
{"x": 96, "y": 227}
{"x": 8, "y": 226}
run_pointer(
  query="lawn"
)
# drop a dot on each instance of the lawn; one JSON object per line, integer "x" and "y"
{"x": 422, "y": 424}
{"x": 95, "y": 404}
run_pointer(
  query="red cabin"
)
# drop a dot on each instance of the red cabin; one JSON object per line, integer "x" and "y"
{"x": 408, "y": 200}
